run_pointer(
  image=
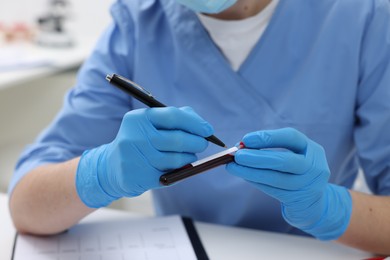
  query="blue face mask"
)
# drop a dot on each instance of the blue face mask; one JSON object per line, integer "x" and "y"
{"x": 208, "y": 6}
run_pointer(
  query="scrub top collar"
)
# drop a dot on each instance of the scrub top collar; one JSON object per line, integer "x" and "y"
{"x": 197, "y": 41}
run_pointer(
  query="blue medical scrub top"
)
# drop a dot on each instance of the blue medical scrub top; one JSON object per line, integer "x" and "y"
{"x": 321, "y": 67}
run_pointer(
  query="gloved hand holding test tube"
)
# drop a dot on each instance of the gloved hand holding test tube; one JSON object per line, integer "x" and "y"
{"x": 199, "y": 166}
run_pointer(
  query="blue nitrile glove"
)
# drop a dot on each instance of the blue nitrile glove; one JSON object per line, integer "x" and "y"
{"x": 296, "y": 175}
{"x": 149, "y": 142}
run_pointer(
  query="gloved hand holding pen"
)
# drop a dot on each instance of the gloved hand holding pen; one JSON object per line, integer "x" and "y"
{"x": 298, "y": 178}
{"x": 149, "y": 142}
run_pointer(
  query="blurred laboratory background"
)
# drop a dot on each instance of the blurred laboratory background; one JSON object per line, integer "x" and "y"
{"x": 42, "y": 45}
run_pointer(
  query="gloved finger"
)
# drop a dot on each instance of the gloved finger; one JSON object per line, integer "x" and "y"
{"x": 171, "y": 160}
{"x": 288, "y": 138}
{"x": 283, "y": 161}
{"x": 164, "y": 161}
{"x": 280, "y": 180}
{"x": 139, "y": 181}
{"x": 297, "y": 198}
{"x": 138, "y": 135}
{"x": 169, "y": 118}
{"x": 178, "y": 141}
{"x": 284, "y": 196}
{"x": 189, "y": 109}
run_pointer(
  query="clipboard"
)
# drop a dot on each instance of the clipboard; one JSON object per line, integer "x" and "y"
{"x": 171, "y": 237}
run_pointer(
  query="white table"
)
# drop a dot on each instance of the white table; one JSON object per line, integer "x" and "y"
{"x": 220, "y": 242}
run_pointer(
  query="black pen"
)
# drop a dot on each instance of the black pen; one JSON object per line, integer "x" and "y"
{"x": 145, "y": 97}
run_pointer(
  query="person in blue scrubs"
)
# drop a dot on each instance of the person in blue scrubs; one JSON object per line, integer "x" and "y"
{"x": 314, "y": 84}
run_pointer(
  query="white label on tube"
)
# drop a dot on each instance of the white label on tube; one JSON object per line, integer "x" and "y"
{"x": 212, "y": 157}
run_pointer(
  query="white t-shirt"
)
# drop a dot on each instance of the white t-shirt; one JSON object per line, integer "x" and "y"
{"x": 236, "y": 38}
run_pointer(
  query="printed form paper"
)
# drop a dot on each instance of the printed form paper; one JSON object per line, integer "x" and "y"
{"x": 135, "y": 239}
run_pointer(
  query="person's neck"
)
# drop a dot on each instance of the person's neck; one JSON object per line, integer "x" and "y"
{"x": 242, "y": 9}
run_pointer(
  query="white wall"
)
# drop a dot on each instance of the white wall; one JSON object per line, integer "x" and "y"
{"x": 20, "y": 10}
{"x": 87, "y": 16}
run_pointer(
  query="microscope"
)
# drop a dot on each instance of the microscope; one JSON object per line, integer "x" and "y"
{"x": 52, "y": 31}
